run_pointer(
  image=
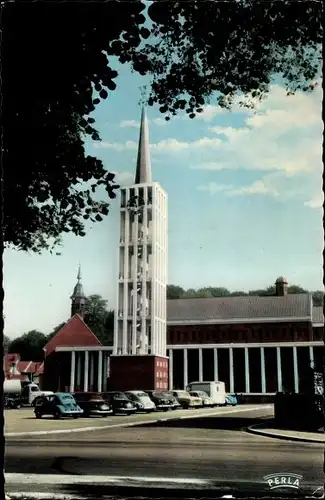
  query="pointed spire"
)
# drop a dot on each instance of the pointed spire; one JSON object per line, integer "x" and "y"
{"x": 143, "y": 171}
{"x": 78, "y": 291}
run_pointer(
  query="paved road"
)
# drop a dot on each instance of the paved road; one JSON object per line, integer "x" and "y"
{"x": 212, "y": 447}
{"x": 24, "y": 421}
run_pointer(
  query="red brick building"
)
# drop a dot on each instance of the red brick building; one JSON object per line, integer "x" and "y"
{"x": 256, "y": 345}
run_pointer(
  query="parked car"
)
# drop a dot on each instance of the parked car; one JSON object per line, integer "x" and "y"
{"x": 60, "y": 404}
{"x": 186, "y": 400}
{"x": 120, "y": 403}
{"x": 206, "y": 400}
{"x": 175, "y": 404}
{"x": 142, "y": 401}
{"x": 161, "y": 400}
{"x": 231, "y": 400}
{"x": 92, "y": 404}
{"x": 12, "y": 401}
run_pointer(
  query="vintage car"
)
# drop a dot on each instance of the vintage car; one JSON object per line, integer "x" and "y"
{"x": 162, "y": 401}
{"x": 186, "y": 400}
{"x": 206, "y": 400}
{"x": 119, "y": 402}
{"x": 92, "y": 404}
{"x": 231, "y": 400}
{"x": 60, "y": 404}
{"x": 142, "y": 401}
{"x": 174, "y": 403}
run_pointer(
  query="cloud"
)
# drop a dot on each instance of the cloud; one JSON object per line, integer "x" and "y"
{"x": 285, "y": 134}
{"x": 160, "y": 122}
{"x": 279, "y": 185}
{"x": 117, "y": 146}
{"x": 130, "y": 123}
{"x": 257, "y": 187}
{"x": 210, "y": 112}
{"x": 316, "y": 202}
{"x": 124, "y": 178}
{"x": 212, "y": 188}
{"x": 166, "y": 145}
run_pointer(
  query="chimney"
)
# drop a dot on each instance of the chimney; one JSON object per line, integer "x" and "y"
{"x": 281, "y": 287}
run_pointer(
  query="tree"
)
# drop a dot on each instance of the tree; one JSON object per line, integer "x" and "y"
{"x": 174, "y": 292}
{"x": 29, "y": 346}
{"x": 51, "y": 89}
{"x": 232, "y": 48}
{"x": 99, "y": 319}
{"x": 318, "y": 298}
{"x": 6, "y": 343}
{"x": 63, "y": 78}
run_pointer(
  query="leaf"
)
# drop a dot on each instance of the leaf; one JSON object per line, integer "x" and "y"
{"x": 103, "y": 94}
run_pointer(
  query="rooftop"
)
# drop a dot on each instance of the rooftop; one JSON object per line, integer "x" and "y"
{"x": 224, "y": 309}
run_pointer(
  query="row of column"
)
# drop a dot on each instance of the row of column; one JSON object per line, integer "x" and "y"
{"x": 89, "y": 370}
{"x": 247, "y": 376}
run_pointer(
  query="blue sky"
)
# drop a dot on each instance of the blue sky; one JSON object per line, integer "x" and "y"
{"x": 245, "y": 202}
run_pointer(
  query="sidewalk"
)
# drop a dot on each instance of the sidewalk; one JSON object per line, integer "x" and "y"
{"x": 269, "y": 430}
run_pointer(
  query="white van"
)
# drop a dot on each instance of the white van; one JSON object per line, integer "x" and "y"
{"x": 215, "y": 390}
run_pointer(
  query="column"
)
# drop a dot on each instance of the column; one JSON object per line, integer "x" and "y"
{"x": 295, "y": 369}
{"x": 171, "y": 381}
{"x": 92, "y": 370}
{"x": 231, "y": 370}
{"x": 279, "y": 369}
{"x": 215, "y": 360}
{"x": 263, "y": 370}
{"x": 200, "y": 365}
{"x": 100, "y": 372}
{"x": 247, "y": 381}
{"x": 185, "y": 369}
{"x": 86, "y": 371}
{"x": 72, "y": 370}
{"x": 78, "y": 354}
{"x": 105, "y": 371}
{"x": 311, "y": 356}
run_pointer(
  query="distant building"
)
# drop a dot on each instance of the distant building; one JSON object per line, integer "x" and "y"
{"x": 25, "y": 371}
{"x": 256, "y": 345}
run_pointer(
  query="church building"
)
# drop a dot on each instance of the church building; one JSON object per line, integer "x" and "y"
{"x": 256, "y": 345}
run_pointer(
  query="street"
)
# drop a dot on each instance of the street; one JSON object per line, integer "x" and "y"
{"x": 213, "y": 447}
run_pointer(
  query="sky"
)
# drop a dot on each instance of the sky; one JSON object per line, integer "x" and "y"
{"x": 245, "y": 203}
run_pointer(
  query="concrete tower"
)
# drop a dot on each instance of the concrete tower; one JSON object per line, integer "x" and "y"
{"x": 78, "y": 298}
{"x": 140, "y": 319}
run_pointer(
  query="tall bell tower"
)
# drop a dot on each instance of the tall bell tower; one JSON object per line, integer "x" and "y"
{"x": 140, "y": 321}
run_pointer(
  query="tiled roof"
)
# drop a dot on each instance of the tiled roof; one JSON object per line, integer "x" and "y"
{"x": 74, "y": 333}
{"x": 318, "y": 315}
{"x": 232, "y": 308}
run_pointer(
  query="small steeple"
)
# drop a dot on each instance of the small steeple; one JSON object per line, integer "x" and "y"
{"x": 143, "y": 171}
{"x": 78, "y": 297}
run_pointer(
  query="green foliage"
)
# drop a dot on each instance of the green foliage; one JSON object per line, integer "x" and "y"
{"x": 233, "y": 48}
{"x": 61, "y": 73}
{"x": 29, "y": 346}
{"x": 57, "y": 67}
{"x": 6, "y": 343}
{"x": 318, "y": 298}
{"x": 177, "y": 292}
{"x": 99, "y": 319}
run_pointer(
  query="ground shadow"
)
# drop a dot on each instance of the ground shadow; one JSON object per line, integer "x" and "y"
{"x": 213, "y": 422}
